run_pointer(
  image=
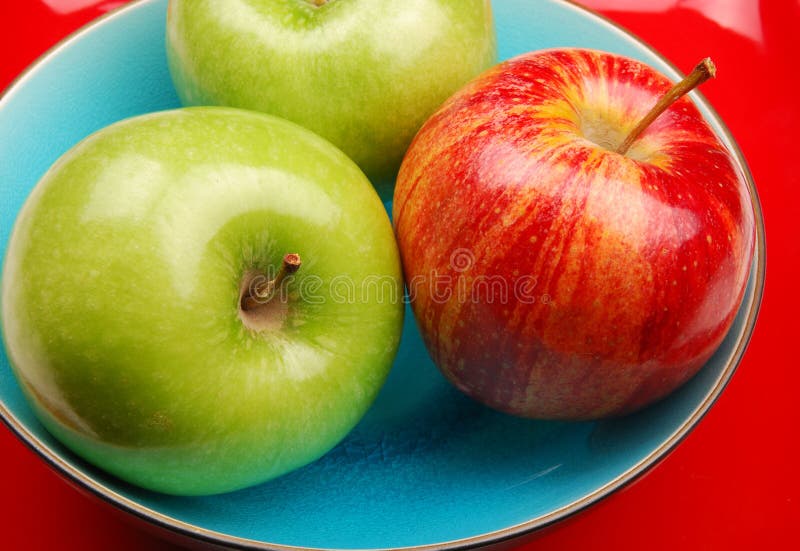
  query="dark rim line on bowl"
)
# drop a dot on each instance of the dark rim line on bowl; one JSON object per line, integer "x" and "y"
{"x": 127, "y": 505}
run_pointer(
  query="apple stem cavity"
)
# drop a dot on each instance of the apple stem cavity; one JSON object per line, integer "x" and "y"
{"x": 261, "y": 290}
{"x": 319, "y": 3}
{"x": 701, "y": 73}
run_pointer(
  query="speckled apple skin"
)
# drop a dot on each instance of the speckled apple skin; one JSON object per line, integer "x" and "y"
{"x": 621, "y": 274}
{"x": 121, "y": 288}
{"x": 364, "y": 74}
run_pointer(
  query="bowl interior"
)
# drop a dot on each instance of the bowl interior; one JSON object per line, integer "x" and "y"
{"x": 426, "y": 465}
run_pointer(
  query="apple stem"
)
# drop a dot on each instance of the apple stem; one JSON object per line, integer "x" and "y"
{"x": 319, "y": 3}
{"x": 262, "y": 290}
{"x": 701, "y": 73}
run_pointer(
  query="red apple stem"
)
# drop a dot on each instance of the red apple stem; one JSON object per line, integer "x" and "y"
{"x": 701, "y": 73}
{"x": 261, "y": 290}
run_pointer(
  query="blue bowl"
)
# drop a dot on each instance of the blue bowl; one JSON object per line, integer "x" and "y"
{"x": 427, "y": 467}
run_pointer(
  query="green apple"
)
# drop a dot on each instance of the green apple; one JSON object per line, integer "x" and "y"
{"x": 147, "y": 318}
{"x": 365, "y": 74}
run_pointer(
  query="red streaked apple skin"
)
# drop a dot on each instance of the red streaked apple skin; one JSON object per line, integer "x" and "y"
{"x": 552, "y": 277}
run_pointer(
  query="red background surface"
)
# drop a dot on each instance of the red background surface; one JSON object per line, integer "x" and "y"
{"x": 734, "y": 482}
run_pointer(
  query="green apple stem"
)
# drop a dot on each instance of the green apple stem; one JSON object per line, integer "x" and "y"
{"x": 319, "y": 3}
{"x": 261, "y": 289}
{"x": 704, "y": 71}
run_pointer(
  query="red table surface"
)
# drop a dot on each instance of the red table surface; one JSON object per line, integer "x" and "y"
{"x": 733, "y": 483}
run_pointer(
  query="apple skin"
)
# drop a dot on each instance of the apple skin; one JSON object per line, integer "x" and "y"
{"x": 120, "y": 299}
{"x": 622, "y": 274}
{"x": 365, "y": 74}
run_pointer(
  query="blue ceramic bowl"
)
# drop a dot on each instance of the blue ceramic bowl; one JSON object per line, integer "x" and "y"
{"x": 427, "y": 467}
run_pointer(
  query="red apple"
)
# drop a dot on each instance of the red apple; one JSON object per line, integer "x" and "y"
{"x": 554, "y": 272}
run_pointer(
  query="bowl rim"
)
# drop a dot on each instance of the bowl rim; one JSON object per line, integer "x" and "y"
{"x": 179, "y": 528}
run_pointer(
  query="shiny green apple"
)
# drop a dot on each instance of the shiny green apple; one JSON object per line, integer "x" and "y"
{"x": 365, "y": 74}
{"x": 135, "y": 302}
